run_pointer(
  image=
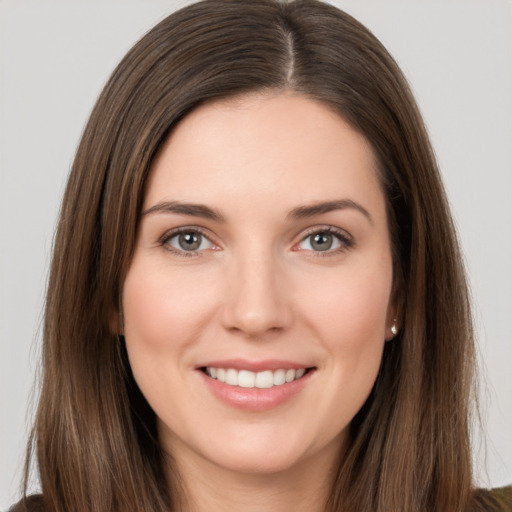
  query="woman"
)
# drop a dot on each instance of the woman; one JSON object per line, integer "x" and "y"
{"x": 256, "y": 299}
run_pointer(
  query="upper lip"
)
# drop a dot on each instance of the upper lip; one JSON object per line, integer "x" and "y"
{"x": 255, "y": 366}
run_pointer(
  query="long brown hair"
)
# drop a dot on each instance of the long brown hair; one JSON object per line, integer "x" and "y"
{"x": 95, "y": 436}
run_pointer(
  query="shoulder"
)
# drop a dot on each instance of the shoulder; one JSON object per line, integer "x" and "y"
{"x": 29, "y": 504}
{"x": 495, "y": 500}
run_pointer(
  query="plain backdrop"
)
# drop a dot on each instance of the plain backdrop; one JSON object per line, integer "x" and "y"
{"x": 56, "y": 55}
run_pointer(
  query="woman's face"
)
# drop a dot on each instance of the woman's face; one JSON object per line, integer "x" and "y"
{"x": 258, "y": 300}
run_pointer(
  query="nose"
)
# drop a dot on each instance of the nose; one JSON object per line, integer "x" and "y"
{"x": 256, "y": 300}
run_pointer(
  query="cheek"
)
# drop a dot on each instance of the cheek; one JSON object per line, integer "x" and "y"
{"x": 163, "y": 317}
{"x": 353, "y": 305}
{"x": 349, "y": 317}
{"x": 162, "y": 311}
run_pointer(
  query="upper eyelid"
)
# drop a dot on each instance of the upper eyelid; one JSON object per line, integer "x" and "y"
{"x": 345, "y": 238}
{"x": 164, "y": 239}
{"x": 183, "y": 229}
{"x": 326, "y": 228}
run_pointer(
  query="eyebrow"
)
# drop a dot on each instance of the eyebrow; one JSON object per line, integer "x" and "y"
{"x": 192, "y": 209}
{"x": 303, "y": 212}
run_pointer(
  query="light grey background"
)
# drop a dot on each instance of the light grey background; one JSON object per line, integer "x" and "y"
{"x": 54, "y": 58}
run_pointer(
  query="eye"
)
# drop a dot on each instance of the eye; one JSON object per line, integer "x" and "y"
{"x": 325, "y": 240}
{"x": 187, "y": 240}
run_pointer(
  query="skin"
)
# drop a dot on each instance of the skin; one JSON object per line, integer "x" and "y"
{"x": 258, "y": 289}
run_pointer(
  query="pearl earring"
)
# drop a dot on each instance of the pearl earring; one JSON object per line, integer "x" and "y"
{"x": 394, "y": 328}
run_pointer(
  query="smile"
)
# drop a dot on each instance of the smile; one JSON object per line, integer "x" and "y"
{"x": 247, "y": 379}
{"x": 255, "y": 386}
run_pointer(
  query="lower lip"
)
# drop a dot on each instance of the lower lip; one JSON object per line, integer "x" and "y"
{"x": 256, "y": 399}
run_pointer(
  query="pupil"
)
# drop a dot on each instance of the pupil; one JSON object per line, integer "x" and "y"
{"x": 322, "y": 241}
{"x": 190, "y": 241}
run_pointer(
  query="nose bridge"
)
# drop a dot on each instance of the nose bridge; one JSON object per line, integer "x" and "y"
{"x": 256, "y": 298}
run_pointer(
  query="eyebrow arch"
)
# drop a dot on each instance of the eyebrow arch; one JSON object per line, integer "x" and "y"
{"x": 192, "y": 209}
{"x": 302, "y": 212}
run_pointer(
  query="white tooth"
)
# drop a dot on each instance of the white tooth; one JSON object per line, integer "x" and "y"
{"x": 221, "y": 374}
{"x": 246, "y": 379}
{"x": 279, "y": 377}
{"x": 232, "y": 377}
{"x": 290, "y": 375}
{"x": 264, "y": 379}
{"x": 300, "y": 373}
{"x": 212, "y": 372}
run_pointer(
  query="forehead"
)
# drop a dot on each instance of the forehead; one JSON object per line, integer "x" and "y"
{"x": 277, "y": 147}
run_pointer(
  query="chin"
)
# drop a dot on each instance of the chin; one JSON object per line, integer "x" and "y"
{"x": 258, "y": 449}
{"x": 261, "y": 463}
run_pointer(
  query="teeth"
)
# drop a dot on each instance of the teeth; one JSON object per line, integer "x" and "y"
{"x": 264, "y": 379}
{"x": 221, "y": 374}
{"x": 232, "y": 377}
{"x": 279, "y": 377}
{"x": 248, "y": 379}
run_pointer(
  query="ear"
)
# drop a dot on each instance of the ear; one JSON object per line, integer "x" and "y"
{"x": 394, "y": 314}
{"x": 392, "y": 326}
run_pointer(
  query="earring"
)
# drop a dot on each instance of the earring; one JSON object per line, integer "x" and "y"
{"x": 394, "y": 328}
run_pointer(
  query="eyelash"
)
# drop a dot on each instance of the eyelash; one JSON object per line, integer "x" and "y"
{"x": 164, "y": 241}
{"x": 346, "y": 241}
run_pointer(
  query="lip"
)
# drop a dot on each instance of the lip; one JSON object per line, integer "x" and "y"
{"x": 255, "y": 366}
{"x": 255, "y": 399}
